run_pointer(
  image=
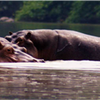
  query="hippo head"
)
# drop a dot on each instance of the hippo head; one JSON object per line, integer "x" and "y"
{"x": 22, "y": 39}
{"x": 12, "y": 53}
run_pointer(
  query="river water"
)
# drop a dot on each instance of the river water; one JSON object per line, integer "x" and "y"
{"x": 78, "y": 80}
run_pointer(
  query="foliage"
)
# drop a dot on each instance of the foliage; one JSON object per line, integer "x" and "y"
{"x": 52, "y": 11}
{"x": 8, "y": 8}
{"x": 31, "y": 11}
{"x": 84, "y": 12}
{"x": 45, "y": 11}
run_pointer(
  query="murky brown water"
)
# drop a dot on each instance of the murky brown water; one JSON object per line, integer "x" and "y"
{"x": 16, "y": 83}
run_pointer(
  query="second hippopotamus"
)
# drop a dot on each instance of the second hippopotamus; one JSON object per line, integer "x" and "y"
{"x": 57, "y": 44}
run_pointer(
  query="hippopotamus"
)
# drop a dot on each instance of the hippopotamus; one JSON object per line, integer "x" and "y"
{"x": 57, "y": 44}
{"x": 12, "y": 53}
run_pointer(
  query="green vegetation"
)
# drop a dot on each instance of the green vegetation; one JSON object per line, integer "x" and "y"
{"x": 84, "y": 12}
{"x": 43, "y": 11}
{"x": 8, "y": 8}
{"x": 52, "y": 11}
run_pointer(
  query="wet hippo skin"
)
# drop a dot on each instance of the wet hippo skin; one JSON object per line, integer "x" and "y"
{"x": 12, "y": 53}
{"x": 57, "y": 44}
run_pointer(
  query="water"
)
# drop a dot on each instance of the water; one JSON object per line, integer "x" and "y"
{"x": 78, "y": 80}
{"x": 85, "y": 28}
{"x": 17, "y": 81}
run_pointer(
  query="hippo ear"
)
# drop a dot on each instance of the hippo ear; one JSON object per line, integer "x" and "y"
{"x": 10, "y": 33}
{"x": 28, "y": 35}
{"x": 1, "y": 45}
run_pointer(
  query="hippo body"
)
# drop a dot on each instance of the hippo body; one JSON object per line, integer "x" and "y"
{"x": 58, "y": 44}
{"x": 12, "y": 53}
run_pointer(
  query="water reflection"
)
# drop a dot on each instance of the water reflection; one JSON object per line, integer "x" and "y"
{"x": 16, "y": 26}
{"x": 48, "y": 84}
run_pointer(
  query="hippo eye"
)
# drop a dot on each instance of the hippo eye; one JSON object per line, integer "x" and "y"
{"x": 10, "y": 50}
{"x": 19, "y": 40}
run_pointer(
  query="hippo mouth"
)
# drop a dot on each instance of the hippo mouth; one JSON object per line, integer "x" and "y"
{"x": 12, "y": 59}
